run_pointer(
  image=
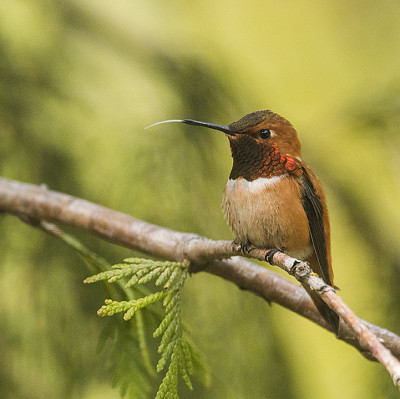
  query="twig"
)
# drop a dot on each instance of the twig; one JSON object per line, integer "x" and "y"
{"x": 303, "y": 273}
{"x": 32, "y": 203}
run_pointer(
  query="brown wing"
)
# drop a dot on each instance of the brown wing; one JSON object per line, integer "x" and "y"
{"x": 316, "y": 221}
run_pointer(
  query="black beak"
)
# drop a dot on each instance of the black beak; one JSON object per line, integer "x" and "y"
{"x": 213, "y": 126}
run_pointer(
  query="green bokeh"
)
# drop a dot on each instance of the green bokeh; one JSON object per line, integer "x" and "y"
{"x": 80, "y": 80}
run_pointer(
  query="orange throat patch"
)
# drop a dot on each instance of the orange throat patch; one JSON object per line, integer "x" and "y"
{"x": 251, "y": 161}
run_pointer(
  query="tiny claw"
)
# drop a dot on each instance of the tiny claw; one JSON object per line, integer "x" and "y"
{"x": 269, "y": 256}
{"x": 241, "y": 247}
{"x": 247, "y": 248}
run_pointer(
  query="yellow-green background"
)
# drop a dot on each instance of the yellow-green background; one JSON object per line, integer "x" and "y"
{"x": 79, "y": 81}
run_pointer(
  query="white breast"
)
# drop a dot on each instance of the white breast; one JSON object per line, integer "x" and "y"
{"x": 252, "y": 186}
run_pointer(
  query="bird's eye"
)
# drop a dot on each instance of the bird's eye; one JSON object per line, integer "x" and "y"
{"x": 265, "y": 134}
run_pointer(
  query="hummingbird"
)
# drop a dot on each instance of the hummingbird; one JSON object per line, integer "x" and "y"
{"x": 272, "y": 199}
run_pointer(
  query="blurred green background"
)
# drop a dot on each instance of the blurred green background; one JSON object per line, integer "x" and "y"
{"x": 79, "y": 81}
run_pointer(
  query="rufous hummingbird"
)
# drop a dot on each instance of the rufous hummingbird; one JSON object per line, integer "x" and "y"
{"x": 272, "y": 199}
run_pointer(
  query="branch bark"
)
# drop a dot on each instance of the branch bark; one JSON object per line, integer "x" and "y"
{"x": 31, "y": 203}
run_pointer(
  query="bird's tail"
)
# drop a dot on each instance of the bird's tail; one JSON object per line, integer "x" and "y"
{"x": 326, "y": 312}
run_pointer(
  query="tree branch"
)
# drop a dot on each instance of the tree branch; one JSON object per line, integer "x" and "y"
{"x": 32, "y": 203}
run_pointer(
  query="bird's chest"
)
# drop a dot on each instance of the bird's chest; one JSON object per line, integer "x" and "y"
{"x": 267, "y": 213}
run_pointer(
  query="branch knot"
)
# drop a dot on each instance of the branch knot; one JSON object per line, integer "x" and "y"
{"x": 301, "y": 270}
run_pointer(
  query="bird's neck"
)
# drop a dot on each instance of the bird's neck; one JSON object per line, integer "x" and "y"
{"x": 252, "y": 161}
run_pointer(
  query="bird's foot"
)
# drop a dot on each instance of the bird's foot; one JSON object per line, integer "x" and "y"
{"x": 269, "y": 256}
{"x": 245, "y": 248}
